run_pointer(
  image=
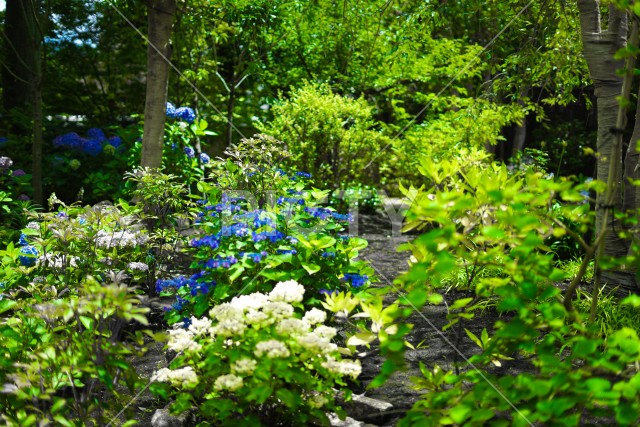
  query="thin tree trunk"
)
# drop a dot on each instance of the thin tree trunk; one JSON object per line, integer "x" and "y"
{"x": 519, "y": 137}
{"x": 160, "y": 19}
{"x": 599, "y": 49}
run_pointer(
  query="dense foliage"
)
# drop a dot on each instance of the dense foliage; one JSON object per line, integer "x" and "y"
{"x": 287, "y": 121}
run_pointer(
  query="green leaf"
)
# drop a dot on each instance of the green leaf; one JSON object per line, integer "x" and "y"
{"x": 311, "y": 268}
{"x": 463, "y": 302}
{"x": 87, "y": 322}
{"x": 6, "y": 304}
{"x": 474, "y": 338}
{"x": 626, "y": 414}
{"x": 362, "y": 338}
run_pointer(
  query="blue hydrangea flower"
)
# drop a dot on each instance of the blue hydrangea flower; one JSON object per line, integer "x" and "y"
{"x": 171, "y": 110}
{"x": 321, "y": 213}
{"x": 303, "y": 174}
{"x": 190, "y": 152}
{"x": 342, "y": 217}
{"x": 273, "y": 236}
{"x": 291, "y": 200}
{"x": 219, "y": 262}
{"x": 62, "y": 215}
{"x": 201, "y": 288}
{"x": 97, "y": 134}
{"x": 185, "y": 114}
{"x": 178, "y": 305}
{"x": 328, "y": 254}
{"x": 24, "y": 240}
{"x": 254, "y": 256}
{"x": 211, "y": 241}
{"x": 287, "y": 251}
{"x": 69, "y": 140}
{"x": 239, "y": 229}
{"x": 115, "y": 141}
{"x": 92, "y": 147}
{"x": 186, "y": 322}
{"x": 28, "y": 255}
{"x": 356, "y": 280}
{"x": 204, "y": 158}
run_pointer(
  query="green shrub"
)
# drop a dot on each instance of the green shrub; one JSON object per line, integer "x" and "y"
{"x": 331, "y": 136}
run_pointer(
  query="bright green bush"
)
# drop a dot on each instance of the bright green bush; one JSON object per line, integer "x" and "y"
{"x": 484, "y": 217}
{"x": 331, "y": 136}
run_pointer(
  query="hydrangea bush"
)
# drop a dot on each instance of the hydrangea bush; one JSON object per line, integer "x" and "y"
{"x": 242, "y": 250}
{"x": 260, "y": 359}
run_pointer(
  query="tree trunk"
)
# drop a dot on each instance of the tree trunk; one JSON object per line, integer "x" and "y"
{"x": 160, "y": 20}
{"x": 19, "y": 27}
{"x": 599, "y": 47}
{"x": 519, "y": 137}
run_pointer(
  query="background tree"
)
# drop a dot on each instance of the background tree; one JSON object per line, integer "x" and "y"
{"x": 160, "y": 21}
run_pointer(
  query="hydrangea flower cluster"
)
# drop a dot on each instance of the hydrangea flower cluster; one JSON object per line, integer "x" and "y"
{"x": 122, "y": 238}
{"x": 28, "y": 255}
{"x": 260, "y": 329}
{"x": 192, "y": 283}
{"x": 184, "y": 114}
{"x": 324, "y": 214}
{"x": 356, "y": 280}
{"x": 92, "y": 145}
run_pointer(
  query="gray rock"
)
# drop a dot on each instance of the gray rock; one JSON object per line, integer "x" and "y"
{"x": 362, "y": 407}
{"x": 347, "y": 422}
{"x": 162, "y": 418}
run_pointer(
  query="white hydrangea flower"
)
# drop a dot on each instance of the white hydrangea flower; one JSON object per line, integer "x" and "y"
{"x": 289, "y": 291}
{"x": 228, "y": 382}
{"x": 226, "y": 311}
{"x": 278, "y": 310}
{"x": 252, "y": 301}
{"x": 57, "y": 260}
{"x": 244, "y": 366}
{"x": 315, "y": 316}
{"x": 140, "y": 266}
{"x": 325, "y": 331}
{"x": 257, "y": 318}
{"x": 272, "y": 349}
{"x": 229, "y": 328}
{"x": 292, "y": 326}
{"x": 316, "y": 343}
{"x": 123, "y": 238}
{"x": 200, "y": 326}
{"x": 343, "y": 367}
{"x": 184, "y": 377}
{"x": 182, "y": 340}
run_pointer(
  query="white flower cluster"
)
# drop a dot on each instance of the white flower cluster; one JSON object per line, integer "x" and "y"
{"x": 343, "y": 367}
{"x": 228, "y": 382}
{"x": 57, "y": 261}
{"x": 272, "y": 349}
{"x": 255, "y": 326}
{"x": 183, "y": 377}
{"x": 140, "y": 266}
{"x": 122, "y": 238}
{"x": 289, "y": 291}
{"x": 182, "y": 340}
{"x": 315, "y": 316}
{"x": 244, "y": 366}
